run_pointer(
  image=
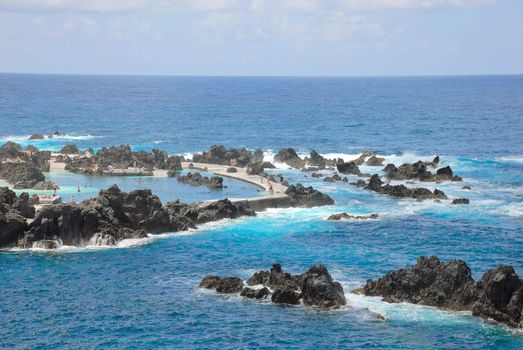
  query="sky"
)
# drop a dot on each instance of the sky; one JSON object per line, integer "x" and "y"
{"x": 262, "y": 37}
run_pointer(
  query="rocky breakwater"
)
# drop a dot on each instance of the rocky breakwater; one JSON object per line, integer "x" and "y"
{"x": 498, "y": 295}
{"x": 375, "y": 184}
{"x": 313, "y": 288}
{"x": 122, "y": 158}
{"x": 419, "y": 171}
{"x": 236, "y": 157}
{"x": 112, "y": 216}
{"x": 315, "y": 161}
{"x": 197, "y": 179}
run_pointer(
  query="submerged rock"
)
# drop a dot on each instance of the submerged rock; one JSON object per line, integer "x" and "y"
{"x": 461, "y": 201}
{"x": 345, "y": 216}
{"x": 225, "y": 285}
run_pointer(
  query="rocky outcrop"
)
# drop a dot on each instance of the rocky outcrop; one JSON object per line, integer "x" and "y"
{"x": 349, "y": 168}
{"x": 23, "y": 207}
{"x": 197, "y": 179}
{"x": 218, "y": 154}
{"x": 401, "y": 191}
{"x": 375, "y": 161}
{"x": 314, "y": 288}
{"x": 21, "y": 175}
{"x": 319, "y": 162}
{"x": 302, "y": 196}
{"x": 112, "y": 216}
{"x": 319, "y": 289}
{"x": 225, "y": 285}
{"x": 335, "y": 178}
{"x": 36, "y": 137}
{"x": 449, "y": 285}
{"x": 345, "y": 216}
{"x": 122, "y": 157}
{"x": 418, "y": 171}
{"x": 70, "y": 149}
{"x": 429, "y": 282}
{"x": 46, "y": 186}
{"x": 460, "y": 201}
{"x": 500, "y": 297}
{"x": 13, "y": 152}
{"x": 289, "y": 157}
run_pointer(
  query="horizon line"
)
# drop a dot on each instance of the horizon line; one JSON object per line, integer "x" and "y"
{"x": 265, "y": 76}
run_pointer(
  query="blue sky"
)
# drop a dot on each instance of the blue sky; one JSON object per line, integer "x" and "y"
{"x": 262, "y": 37}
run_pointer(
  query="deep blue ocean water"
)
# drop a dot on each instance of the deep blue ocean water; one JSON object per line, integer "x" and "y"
{"x": 144, "y": 294}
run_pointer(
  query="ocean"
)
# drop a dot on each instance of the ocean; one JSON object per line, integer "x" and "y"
{"x": 144, "y": 294}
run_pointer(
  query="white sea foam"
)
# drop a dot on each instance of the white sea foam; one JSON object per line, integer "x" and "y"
{"x": 19, "y": 138}
{"x": 511, "y": 159}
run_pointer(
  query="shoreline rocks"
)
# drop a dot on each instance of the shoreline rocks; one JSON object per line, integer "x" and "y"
{"x": 314, "y": 288}
{"x": 197, "y": 179}
{"x": 308, "y": 197}
{"x": 218, "y": 154}
{"x": 498, "y": 295}
{"x": 112, "y": 216}
{"x": 375, "y": 184}
{"x": 345, "y": 216}
{"x": 21, "y": 175}
{"x": 116, "y": 159}
{"x": 418, "y": 171}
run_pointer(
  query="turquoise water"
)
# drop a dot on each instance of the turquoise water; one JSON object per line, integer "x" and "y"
{"x": 144, "y": 293}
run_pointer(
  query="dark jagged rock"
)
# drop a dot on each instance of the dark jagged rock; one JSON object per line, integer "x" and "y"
{"x": 345, "y": 216}
{"x": 375, "y": 161}
{"x": 401, "y": 191}
{"x": 301, "y": 196}
{"x": 225, "y": 285}
{"x": 7, "y": 196}
{"x": 319, "y": 162}
{"x": 359, "y": 183}
{"x": 429, "y": 282}
{"x": 218, "y": 154}
{"x": 461, "y": 201}
{"x": 197, "y": 179}
{"x": 466, "y": 188}
{"x": 13, "y": 152}
{"x": 70, "y": 149}
{"x": 289, "y": 157}
{"x": 12, "y": 226}
{"x": 418, "y": 171}
{"x": 349, "y": 168}
{"x": 255, "y": 293}
{"x": 286, "y": 296}
{"x": 497, "y": 296}
{"x": 122, "y": 157}
{"x": 500, "y": 297}
{"x": 21, "y": 175}
{"x": 335, "y": 178}
{"x": 315, "y": 286}
{"x": 254, "y": 168}
{"x": 22, "y": 206}
{"x": 232, "y": 169}
{"x": 319, "y": 289}
{"x": 317, "y": 175}
{"x": 36, "y": 137}
{"x": 222, "y": 209}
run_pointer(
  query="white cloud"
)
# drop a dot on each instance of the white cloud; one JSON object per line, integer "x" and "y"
{"x": 340, "y": 27}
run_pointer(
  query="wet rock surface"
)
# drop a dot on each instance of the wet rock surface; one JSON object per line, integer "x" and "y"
{"x": 314, "y": 288}
{"x": 345, "y": 216}
{"x": 498, "y": 295}
{"x": 112, "y": 216}
{"x": 219, "y": 154}
{"x": 419, "y": 171}
{"x": 375, "y": 184}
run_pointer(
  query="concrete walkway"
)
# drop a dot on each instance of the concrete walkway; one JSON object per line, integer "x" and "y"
{"x": 275, "y": 199}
